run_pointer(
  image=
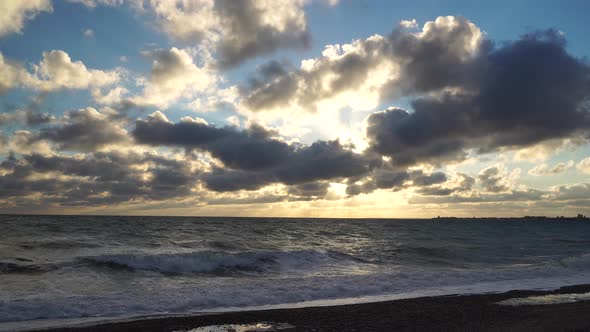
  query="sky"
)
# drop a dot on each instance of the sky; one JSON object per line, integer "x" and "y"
{"x": 295, "y": 108}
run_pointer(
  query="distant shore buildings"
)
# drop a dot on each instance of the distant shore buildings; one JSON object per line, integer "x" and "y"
{"x": 579, "y": 217}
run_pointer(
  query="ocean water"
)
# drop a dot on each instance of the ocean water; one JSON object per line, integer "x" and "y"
{"x": 56, "y": 268}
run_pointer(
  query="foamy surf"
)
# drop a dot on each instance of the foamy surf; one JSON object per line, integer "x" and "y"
{"x": 258, "y": 327}
{"x": 139, "y": 267}
{"x": 226, "y": 262}
{"x": 546, "y": 299}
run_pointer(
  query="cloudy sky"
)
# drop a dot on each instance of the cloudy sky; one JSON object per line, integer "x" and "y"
{"x": 311, "y": 108}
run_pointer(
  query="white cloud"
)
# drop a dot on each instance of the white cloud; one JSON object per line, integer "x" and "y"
{"x": 544, "y": 169}
{"x": 571, "y": 191}
{"x": 111, "y": 97}
{"x": 89, "y": 33}
{"x": 14, "y": 13}
{"x": 543, "y": 151}
{"x": 361, "y": 74}
{"x": 584, "y": 166}
{"x": 498, "y": 179}
{"x": 55, "y": 71}
{"x": 23, "y": 142}
{"x": 237, "y": 30}
{"x": 10, "y": 74}
{"x": 174, "y": 75}
{"x": 234, "y": 121}
{"x": 215, "y": 100}
{"x": 410, "y": 24}
{"x": 58, "y": 71}
{"x": 26, "y": 116}
{"x": 87, "y": 129}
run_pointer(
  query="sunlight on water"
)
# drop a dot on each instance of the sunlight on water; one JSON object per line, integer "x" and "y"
{"x": 260, "y": 327}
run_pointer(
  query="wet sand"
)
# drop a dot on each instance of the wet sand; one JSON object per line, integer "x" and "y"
{"x": 443, "y": 313}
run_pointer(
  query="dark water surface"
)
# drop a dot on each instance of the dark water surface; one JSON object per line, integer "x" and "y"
{"x": 81, "y": 266}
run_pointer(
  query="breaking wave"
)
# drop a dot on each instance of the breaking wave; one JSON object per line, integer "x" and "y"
{"x": 219, "y": 262}
{"x": 15, "y": 268}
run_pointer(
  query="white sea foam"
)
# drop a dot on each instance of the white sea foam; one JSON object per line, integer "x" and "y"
{"x": 255, "y": 298}
{"x": 259, "y": 327}
{"x": 223, "y": 262}
{"x": 547, "y": 299}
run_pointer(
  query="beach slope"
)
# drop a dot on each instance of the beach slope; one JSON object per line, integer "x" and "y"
{"x": 480, "y": 312}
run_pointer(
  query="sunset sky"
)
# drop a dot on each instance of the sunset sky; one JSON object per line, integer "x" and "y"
{"x": 300, "y": 108}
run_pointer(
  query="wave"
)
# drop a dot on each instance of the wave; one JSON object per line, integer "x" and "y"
{"x": 223, "y": 245}
{"x": 580, "y": 262}
{"x": 177, "y": 295}
{"x": 14, "y": 268}
{"x": 219, "y": 262}
{"x": 427, "y": 251}
{"x": 58, "y": 244}
{"x": 244, "y": 293}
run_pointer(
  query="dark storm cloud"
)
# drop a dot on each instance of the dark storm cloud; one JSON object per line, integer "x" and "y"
{"x": 426, "y": 136}
{"x": 517, "y": 195}
{"x": 311, "y": 189}
{"x": 247, "y": 35}
{"x": 3, "y": 140}
{"x": 534, "y": 90}
{"x": 465, "y": 184}
{"x": 322, "y": 160}
{"x": 85, "y": 130}
{"x": 27, "y": 117}
{"x": 265, "y": 73}
{"x": 493, "y": 189}
{"x": 490, "y": 180}
{"x": 33, "y": 118}
{"x": 395, "y": 180}
{"x": 306, "y": 87}
{"x": 421, "y": 180}
{"x": 232, "y": 31}
{"x": 28, "y": 114}
{"x": 444, "y": 54}
{"x": 435, "y": 191}
{"x": 531, "y": 90}
{"x": 278, "y": 93}
{"x": 252, "y": 156}
{"x": 471, "y": 94}
{"x": 273, "y": 69}
{"x": 224, "y": 180}
{"x": 248, "y": 149}
{"x": 379, "y": 179}
{"x": 96, "y": 179}
{"x": 573, "y": 192}
{"x": 575, "y": 195}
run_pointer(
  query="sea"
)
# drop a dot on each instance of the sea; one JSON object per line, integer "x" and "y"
{"x": 56, "y": 270}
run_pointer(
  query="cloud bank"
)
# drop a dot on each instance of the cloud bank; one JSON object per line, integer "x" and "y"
{"x": 468, "y": 96}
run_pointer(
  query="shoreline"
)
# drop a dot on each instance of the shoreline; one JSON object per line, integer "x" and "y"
{"x": 583, "y": 218}
{"x": 473, "y": 312}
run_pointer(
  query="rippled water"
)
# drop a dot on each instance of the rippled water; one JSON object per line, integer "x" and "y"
{"x": 74, "y": 267}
